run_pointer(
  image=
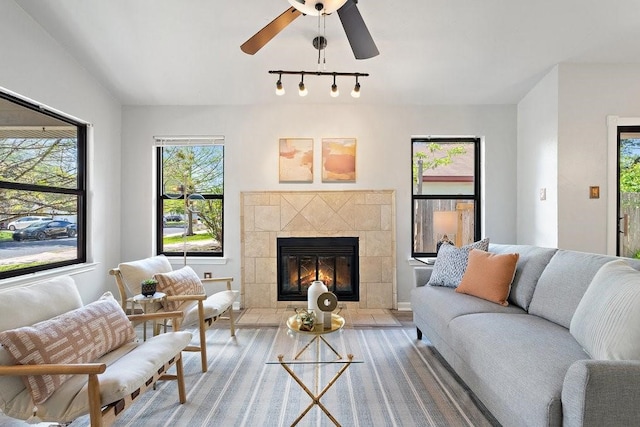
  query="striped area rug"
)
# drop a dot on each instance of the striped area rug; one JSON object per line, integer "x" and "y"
{"x": 397, "y": 381}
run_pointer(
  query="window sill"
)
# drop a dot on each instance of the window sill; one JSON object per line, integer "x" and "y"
{"x": 179, "y": 261}
{"x": 421, "y": 262}
{"x": 47, "y": 274}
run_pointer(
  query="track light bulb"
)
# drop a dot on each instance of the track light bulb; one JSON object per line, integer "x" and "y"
{"x": 356, "y": 91}
{"x": 302, "y": 91}
{"x": 279, "y": 88}
{"x": 334, "y": 90}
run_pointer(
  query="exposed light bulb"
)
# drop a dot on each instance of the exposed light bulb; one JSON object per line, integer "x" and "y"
{"x": 334, "y": 90}
{"x": 302, "y": 91}
{"x": 279, "y": 88}
{"x": 356, "y": 91}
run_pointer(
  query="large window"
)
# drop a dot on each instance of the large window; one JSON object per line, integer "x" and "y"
{"x": 42, "y": 189}
{"x": 446, "y": 193}
{"x": 190, "y": 198}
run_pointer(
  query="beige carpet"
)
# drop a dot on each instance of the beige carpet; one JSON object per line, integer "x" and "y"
{"x": 256, "y": 317}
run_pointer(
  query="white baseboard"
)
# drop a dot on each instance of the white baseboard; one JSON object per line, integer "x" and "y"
{"x": 404, "y": 306}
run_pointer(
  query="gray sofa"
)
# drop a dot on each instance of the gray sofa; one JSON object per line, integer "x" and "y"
{"x": 522, "y": 361}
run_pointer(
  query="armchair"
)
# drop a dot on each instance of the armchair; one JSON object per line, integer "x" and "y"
{"x": 185, "y": 293}
{"x": 61, "y": 359}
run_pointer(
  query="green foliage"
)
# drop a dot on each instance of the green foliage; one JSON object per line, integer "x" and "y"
{"x": 43, "y": 162}
{"x": 200, "y": 169}
{"x": 433, "y": 156}
{"x": 629, "y": 166}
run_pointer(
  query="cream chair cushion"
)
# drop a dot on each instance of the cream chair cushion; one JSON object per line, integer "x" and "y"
{"x": 134, "y": 272}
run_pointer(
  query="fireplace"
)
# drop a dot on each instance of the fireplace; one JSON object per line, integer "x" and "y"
{"x": 333, "y": 260}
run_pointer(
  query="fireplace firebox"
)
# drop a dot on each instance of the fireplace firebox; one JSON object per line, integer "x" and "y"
{"x": 333, "y": 260}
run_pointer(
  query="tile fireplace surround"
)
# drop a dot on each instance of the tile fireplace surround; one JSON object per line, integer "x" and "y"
{"x": 369, "y": 215}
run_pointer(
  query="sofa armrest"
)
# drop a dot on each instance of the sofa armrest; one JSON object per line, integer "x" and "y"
{"x": 599, "y": 392}
{"x": 422, "y": 275}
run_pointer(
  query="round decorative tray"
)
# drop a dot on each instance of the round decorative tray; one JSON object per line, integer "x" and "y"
{"x": 337, "y": 322}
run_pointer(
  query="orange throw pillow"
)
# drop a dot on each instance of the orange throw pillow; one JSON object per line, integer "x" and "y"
{"x": 489, "y": 276}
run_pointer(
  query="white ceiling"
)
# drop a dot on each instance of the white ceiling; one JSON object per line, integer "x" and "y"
{"x": 187, "y": 52}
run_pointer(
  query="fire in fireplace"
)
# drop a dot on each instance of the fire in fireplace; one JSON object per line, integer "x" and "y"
{"x": 301, "y": 260}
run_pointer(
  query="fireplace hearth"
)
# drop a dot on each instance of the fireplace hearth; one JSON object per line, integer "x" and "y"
{"x": 333, "y": 260}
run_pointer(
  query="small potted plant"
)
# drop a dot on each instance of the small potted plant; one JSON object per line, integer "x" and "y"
{"x": 148, "y": 287}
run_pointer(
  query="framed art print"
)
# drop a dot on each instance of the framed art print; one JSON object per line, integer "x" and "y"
{"x": 338, "y": 160}
{"x": 296, "y": 160}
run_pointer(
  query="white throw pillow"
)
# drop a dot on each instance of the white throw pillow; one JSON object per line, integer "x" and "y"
{"x": 607, "y": 320}
{"x": 135, "y": 272}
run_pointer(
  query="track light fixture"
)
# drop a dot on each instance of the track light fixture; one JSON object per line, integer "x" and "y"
{"x": 279, "y": 88}
{"x": 334, "y": 88}
{"x": 356, "y": 89}
{"x": 302, "y": 90}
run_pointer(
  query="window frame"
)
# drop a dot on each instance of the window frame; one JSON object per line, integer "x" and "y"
{"x": 472, "y": 197}
{"x": 161, "y": 197}
{"x": 80, "y": 190}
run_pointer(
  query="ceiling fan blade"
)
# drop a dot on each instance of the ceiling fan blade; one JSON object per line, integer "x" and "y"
{"x": 263, "y": 36}
{"x": 358, "y": 35}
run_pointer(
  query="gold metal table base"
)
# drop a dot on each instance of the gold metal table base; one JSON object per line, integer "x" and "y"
{"x": 315, "y": 398}
{"x": 311, "y": 342}
{"x": 318, "y": 332}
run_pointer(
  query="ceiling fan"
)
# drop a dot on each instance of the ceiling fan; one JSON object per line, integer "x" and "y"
{"x": 358, "y": 35}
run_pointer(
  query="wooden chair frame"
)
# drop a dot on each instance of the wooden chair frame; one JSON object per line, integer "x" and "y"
{"x": 203, "y": 323}
{"x": 104, "y": 416}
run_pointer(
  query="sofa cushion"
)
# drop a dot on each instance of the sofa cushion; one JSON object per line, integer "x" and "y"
{"x": 184, "y": 281}
{"x": 134, "y": 272}
{"x": 78, "y": 336}
{"x": 607, "y": 320}
{"x": 489, "y": 276}
{"x": 439, "y": 305}
{"x": 451, "y": 263}
{"x": 532, "y": 262}
{"x": 516, "y": 363}
{"x": 564, "y": 282}
{"x": 52, "y": 297}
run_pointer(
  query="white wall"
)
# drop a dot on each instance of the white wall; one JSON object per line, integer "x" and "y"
{"x": 538, "y": 165}
{"x": 36, "y": 67}
{"x": 562, "y": 144}
{"x": 251, "y": 161}
{"x": 587, "y": 95}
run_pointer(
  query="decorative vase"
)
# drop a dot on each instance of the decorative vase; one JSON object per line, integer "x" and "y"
{"x": 313, "y": 292}
{"x": 148, "y": 288}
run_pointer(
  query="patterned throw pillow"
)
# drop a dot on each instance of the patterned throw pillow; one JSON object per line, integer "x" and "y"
{"x": 184, "y": 281}
{"x": 451, "y": 263}
{"x": 78, "y": 336}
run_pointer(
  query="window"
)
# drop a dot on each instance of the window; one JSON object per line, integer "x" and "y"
{"x": 446, "y": 193}
{"x": 42, "y": 189}
{"x": 190, "y": 197}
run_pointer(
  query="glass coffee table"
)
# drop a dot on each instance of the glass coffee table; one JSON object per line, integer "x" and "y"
{"x": 317, "y": 335}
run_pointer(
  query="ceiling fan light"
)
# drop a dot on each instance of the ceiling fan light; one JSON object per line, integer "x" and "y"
{"x": 356, "y": 91}
{"x": 279, "y": 88}
{"x": 318, "y": 7}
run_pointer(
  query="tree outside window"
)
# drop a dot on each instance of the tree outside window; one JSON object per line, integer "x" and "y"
{"x": 445, "y": 195}
{"x": 42, "y": 189}
{"x": 191, "y": 200}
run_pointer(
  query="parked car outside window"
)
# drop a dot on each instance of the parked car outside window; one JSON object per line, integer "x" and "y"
{"x": 46, "y": 230}
{"x": 26, "y": 221}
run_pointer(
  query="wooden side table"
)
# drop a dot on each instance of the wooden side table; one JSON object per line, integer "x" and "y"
{"x": 144, "y": 302}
